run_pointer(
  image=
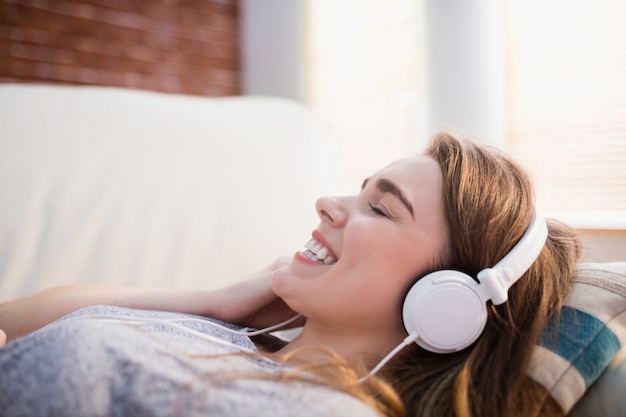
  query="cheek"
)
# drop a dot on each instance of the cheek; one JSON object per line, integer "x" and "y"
{"x": 380, "y": 258}
{"x": 399, "y": 260}
{"x": 396, "y": 269}
{"x": 383, "y": 281}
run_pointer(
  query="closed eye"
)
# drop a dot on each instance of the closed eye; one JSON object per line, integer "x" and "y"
{"x": 377, "y": 211}
{"x": 386, "y": 186}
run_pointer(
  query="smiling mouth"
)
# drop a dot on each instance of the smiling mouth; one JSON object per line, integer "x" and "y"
{"x": 317, "y": 252}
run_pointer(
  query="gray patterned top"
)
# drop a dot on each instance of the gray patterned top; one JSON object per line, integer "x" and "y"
{"x": 86, "y": 365}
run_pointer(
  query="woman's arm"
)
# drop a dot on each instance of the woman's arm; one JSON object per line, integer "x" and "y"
{"x": 24, "y": 315}
{"x": 251, "y": 302}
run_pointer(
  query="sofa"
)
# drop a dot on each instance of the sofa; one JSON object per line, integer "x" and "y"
{"x": 134, "y": 187}
{"x": 129, "y": 187}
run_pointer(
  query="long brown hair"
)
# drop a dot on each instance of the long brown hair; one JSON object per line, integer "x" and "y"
{"x": 488, "y": 203}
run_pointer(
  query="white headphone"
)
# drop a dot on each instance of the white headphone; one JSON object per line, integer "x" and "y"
{"x": 445, "y": 311}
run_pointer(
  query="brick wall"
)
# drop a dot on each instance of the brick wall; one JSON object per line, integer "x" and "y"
{"x": 178, "y": 46}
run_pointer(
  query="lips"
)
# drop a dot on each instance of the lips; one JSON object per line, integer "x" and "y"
{"x": 317, "y": 252}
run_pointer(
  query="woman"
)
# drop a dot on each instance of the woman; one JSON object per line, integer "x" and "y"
{"x": 459, "y": 206}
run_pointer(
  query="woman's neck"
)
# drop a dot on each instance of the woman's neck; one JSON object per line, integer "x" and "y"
{"x": 358, "y": 347}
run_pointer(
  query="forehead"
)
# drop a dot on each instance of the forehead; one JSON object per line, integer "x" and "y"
{"x": 419, "y": 171}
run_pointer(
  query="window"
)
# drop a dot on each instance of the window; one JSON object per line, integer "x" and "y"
{"x": 363, "y": 79}
{"x": 566, "y": 104}
{"x": 565, "y": 83}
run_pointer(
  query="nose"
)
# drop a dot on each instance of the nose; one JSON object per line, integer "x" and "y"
{"x": 332, "y": 210}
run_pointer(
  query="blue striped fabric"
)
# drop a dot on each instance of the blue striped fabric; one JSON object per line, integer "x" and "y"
{"x": 579, "y": 345}
{"x": 583, "y": 340}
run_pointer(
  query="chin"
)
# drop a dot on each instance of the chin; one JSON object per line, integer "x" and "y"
{"x": 294, "y": 280}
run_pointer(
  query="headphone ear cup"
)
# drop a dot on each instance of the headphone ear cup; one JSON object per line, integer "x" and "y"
{"x": 445, "y": 311}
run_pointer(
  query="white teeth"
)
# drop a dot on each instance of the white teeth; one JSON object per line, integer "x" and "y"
{"x": 311, "y": 255}
{"x": 318, "y": 252}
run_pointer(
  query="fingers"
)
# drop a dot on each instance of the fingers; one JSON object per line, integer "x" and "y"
{"x": 3, "y": 338}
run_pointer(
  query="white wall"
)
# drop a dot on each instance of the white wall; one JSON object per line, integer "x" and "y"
{"x": 464, "y": 62}
{"x": 465, "y": 67}
{"x": 273, "y": 48}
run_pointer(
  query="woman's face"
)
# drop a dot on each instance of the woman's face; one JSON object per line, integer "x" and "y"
{"x": 368, "y": 248}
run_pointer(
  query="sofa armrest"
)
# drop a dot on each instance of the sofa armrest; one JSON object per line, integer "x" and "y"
{"x": 130, "y": 187}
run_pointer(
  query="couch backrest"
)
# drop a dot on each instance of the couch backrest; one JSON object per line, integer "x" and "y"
{"x": 133, "y": 187}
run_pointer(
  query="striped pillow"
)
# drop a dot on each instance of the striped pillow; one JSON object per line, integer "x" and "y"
{"x": 589, "y": 333}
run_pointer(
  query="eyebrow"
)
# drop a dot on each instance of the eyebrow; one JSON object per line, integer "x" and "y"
{"x": 386, "y": 186}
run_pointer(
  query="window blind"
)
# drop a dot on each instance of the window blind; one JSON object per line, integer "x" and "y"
{"x": 566, "y": 105}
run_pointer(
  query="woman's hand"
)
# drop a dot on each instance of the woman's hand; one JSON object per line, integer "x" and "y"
{"x": 252, "y": 302}
{"x": 3, "y": 338}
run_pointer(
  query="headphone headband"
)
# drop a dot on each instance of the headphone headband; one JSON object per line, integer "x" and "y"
{"x": 509, "y": 269}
